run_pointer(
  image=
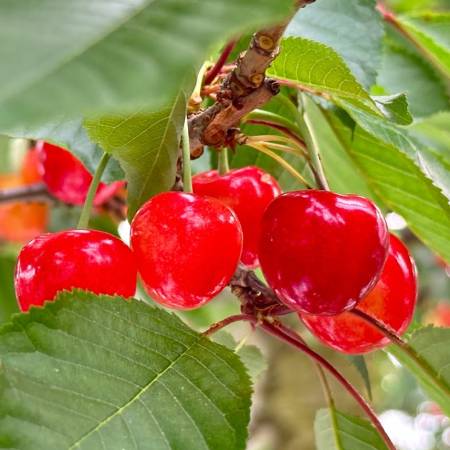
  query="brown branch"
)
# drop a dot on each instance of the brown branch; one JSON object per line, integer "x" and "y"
{"x": 243, "y": 90}
{"x": 29, "y": 193}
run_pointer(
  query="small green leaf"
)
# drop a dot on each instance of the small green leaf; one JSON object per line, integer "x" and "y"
{"x": 345, "y": 432}
{"x": 146, "y": 145}
{"x": 250, "y": 355}
{"x": 432, "y": 345}
{"x": 89, "y": 372}
{"x": 89, "y": 58}
{"x": 431, "y": 30}
{"x": 361, "y": 366}
{"x": 330, "y": 22}
{"x": 320, "y": 68}
{"x": 395, "y": 108}
{"x": 71, "y": 135}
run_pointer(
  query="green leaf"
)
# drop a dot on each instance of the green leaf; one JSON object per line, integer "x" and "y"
{"x": 85, "y": 57}
{"x": 90, "y": 372}
{"x": 342, "y": 172}
{"x": 345, "y": 27}
{"x": 431, "y": 31}
{"x": 434, "y": 132}
{"x": 71, "y": 135}
{"x": 436, "y": 167}
{"x": 250, "y": 355}
{"x": 382, "y": 129}
{"x": 146, "y": 145}
{"x": 8, "y": 303}
{"x": 432, "y": 345}
{"x": 359, "y": 361}
{"x": 345, "y": 432}
{"x": 394, "y": 107}
{"x": 396, "y": 178}
{"x": 404, "y": 71}
{"x": 316, "y": 66}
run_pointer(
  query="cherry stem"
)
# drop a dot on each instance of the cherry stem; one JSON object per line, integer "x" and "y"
{"x": 286, "y": 131}
{"x": 319, "y": 171}
{"x": 403, "y": 345}
{"x": 261, "y": 147}
{"x": 275, "y": 330}
{"x": 380, "y": 326}
{"x": 214, "y": 328}
{"x": 214, "y": 71}
{"x": 223, "y": 165}
{"x": 83, "y": 223}
{"x": 187, "y": 171}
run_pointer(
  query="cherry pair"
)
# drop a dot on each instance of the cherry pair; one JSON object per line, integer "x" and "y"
{"x": 325, "y": 254}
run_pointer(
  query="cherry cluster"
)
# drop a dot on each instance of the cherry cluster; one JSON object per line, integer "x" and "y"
{"x": 323, "y": 254}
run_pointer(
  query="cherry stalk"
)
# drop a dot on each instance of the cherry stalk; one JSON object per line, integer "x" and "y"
{"x": 215, "y": 70}
{"x": 285, "y": 334}
{"x": 278, "y": 332}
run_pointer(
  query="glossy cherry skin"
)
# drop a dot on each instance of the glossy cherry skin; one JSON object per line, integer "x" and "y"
{"x": 392, "y": 302}
{"x": 67, "y": 178}
{"x": 322, "y": 252}
{"x": 187, "y": 248}
{"x": 248, "y": 192}
{"x": 83, "y": 259}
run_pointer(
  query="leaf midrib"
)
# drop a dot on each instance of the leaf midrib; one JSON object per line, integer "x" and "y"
{"x": 135, "y": 398}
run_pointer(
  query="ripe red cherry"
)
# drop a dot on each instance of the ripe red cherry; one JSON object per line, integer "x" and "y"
{"x": 84, "y": 259}
{"x": 187, "y": 248}
{"x": 248, "y": 192}
{"x": 322, "y": 252}
{"x": 392, "y": 302}
{"x": 67, "y": 178}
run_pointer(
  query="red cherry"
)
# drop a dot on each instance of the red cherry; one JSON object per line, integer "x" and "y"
{"x": 322, "y": 252}
{"x": 392, "y": 302}
{"x": 248, "y": 192}
{"x": 84, "y": 259}
{"x": 67, "y": 178}
{"x": 187, "y": 248}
